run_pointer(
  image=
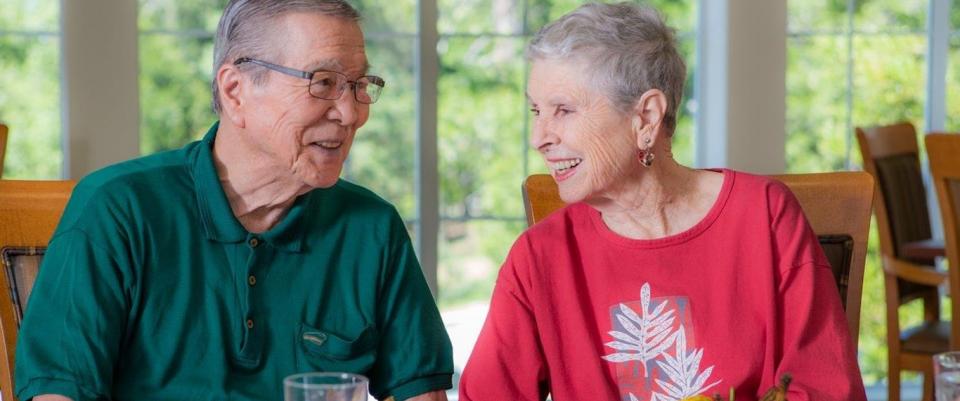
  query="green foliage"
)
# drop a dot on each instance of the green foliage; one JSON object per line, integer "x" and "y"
{"x": 30, "y": 106}
{"x": 953, "y": 79}
{"x": 887, "y": 86}
{"x": 174, "y": 91}
{"x": 30, "y": 15}
{"x": 382, "y": 157}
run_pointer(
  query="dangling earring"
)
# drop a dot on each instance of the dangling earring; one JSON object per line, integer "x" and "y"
{"x": 646, "y": 156}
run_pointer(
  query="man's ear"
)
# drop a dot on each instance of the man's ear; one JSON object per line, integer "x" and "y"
{"x": 229, "y": 84}
{"x": 647, "y": 119}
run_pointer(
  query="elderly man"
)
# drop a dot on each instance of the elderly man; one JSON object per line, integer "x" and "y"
{"x": 214, "y": 271}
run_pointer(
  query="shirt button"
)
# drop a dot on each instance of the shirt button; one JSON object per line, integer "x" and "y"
{"x": 249, "y": 323}
{"x": 252, "y": 280}
{"x": 254, "y": 242}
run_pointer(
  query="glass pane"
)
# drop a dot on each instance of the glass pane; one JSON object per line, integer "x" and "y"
{"x": 954, "y": 15}
{"x": 679, "y": 14}
{"x": 953, "y": 82}
{"x": 382, "y": 16}
{"x": 816, "y": 103}
{"x": 30, "y": 15}
{"x": 816, "y": 15}
{"x": 382, "y": 157}
{"x": 470, "y": 255}
{"x": 684, "y": 137}
{"x": 482, "y": 109}
{"x": 541, "y": 12}
{"x": 180, "y": 15}
{"x": 890, "y": 15}
{"x": 174, "y": 91}
{"x": 480, "y": 16}
{"x": 30, "y": 106}
{"x": 891, "y": 87}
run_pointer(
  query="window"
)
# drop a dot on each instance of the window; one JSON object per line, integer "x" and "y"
{"x": 30, "y": 88}
{"x": 854, "y": 63}
{"x": 952, "y": 123}
{"x": 176, "y": 54}
{"x": 850, "y": 63}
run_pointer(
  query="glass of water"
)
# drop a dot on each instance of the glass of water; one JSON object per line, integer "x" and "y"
{"x": 946, "y": 368}
{"x": 324, "y": 386}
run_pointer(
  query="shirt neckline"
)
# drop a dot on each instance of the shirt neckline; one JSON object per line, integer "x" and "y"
{"x": 607, "y": 234}
{"x": 218, "y": 220}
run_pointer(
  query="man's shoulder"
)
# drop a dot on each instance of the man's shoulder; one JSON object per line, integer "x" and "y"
{"x": 146, "y": 171}
{"x": 354, "y": 195}
{"x": 132, "y": 183}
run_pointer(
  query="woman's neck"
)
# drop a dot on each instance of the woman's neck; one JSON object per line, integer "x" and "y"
{"x": 659, "y": 201}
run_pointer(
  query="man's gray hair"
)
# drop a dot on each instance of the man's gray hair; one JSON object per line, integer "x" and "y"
{"x": 245, "y": 24}
{"x": 628, "y": 50}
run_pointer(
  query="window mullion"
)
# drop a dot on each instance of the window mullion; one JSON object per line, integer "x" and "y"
{"x": 938, "y": 47}
{"x": 426, "y": 180}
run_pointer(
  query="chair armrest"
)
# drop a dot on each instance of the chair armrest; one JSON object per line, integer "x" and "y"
{"x": 914, "y": 273}
{"x": 925, "y": 250}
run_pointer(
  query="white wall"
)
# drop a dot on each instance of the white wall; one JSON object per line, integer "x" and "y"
{"x": 100, "y": 88}
{"x": 742, "y": 85}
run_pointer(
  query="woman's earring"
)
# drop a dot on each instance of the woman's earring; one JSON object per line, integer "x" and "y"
{"x": 646, "y": 156}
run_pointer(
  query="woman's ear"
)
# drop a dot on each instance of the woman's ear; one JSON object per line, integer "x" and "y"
{"x": 647, "y": 117}
{"x": 230, "y": 82}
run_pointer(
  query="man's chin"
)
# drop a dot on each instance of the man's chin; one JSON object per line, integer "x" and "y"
{"x": 323, "y": 183}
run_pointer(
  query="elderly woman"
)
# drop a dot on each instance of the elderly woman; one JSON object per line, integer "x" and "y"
{"x": 658, "y": 281}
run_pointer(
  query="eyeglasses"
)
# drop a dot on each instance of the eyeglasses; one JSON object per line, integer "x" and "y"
{"x": 329, "y": 85}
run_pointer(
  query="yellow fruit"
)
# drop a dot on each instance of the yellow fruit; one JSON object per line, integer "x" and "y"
{"x": 698, "y": 398}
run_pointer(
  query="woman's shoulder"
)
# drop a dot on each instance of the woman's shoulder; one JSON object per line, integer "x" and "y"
{"x": 755, "y": 188}
{"x": 556, "y": 231}
{"x": 559, "y": 223}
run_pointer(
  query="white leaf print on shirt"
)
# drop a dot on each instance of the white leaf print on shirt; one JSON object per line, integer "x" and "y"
{"x": 683, "y": 371}
{"x": 644, "y": 337}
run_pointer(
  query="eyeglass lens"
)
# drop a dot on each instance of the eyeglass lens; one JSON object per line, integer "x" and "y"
{"x": 330, "y": 85}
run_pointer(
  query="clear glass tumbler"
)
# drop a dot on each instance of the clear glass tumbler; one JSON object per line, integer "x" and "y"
{"x": 325, "y": 386}
{"x": 946, "y": 369}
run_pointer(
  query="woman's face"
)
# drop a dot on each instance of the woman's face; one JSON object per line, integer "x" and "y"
{"x": 589, "y": 146}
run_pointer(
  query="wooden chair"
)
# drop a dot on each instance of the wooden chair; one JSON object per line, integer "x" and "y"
{"x": 890, "y": 153}
{"x": 29, "y": 213}
{"x": 943, "y": 152}
{"x": 3, "y": 145}
{"x": 837, "y": 205}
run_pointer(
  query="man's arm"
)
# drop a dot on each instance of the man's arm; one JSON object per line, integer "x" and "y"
{"x": 56, "y": 397}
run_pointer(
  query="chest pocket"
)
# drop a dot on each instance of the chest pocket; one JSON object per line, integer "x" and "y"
{"x": 325, "y": 351}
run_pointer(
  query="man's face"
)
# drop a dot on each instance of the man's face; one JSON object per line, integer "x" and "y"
{"x": 303, "y": 137}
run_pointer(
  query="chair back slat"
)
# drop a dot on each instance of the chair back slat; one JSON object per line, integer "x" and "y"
{"x": 29, "y": 213}
{"x": 943, "y": 151}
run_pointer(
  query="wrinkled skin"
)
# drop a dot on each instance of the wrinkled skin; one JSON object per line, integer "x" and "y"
{"x": 285, "y": 126}
{"x": 573, "y": 120}
{"x": 276, "y": 141}
{"x": 591, "y": 148}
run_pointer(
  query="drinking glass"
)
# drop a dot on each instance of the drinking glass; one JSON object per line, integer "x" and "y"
{"x": 325, "y": 386}
{"x": 946, "y": 368}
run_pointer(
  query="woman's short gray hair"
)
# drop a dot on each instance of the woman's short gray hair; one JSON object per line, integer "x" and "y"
{"x": 628, "y": 48}
{"x": 244, "y": 24}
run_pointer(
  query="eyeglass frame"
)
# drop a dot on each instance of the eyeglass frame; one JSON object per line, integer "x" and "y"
{"x": 375, "y": 80}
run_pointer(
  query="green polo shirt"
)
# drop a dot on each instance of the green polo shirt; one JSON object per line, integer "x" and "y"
{"x": 152, "y": 290}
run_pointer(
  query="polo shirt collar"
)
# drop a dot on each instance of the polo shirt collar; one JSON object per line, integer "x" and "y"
{"x": 218, "y": 221}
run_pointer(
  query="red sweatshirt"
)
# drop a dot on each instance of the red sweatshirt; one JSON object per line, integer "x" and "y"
{"x": 739, "y": 299}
